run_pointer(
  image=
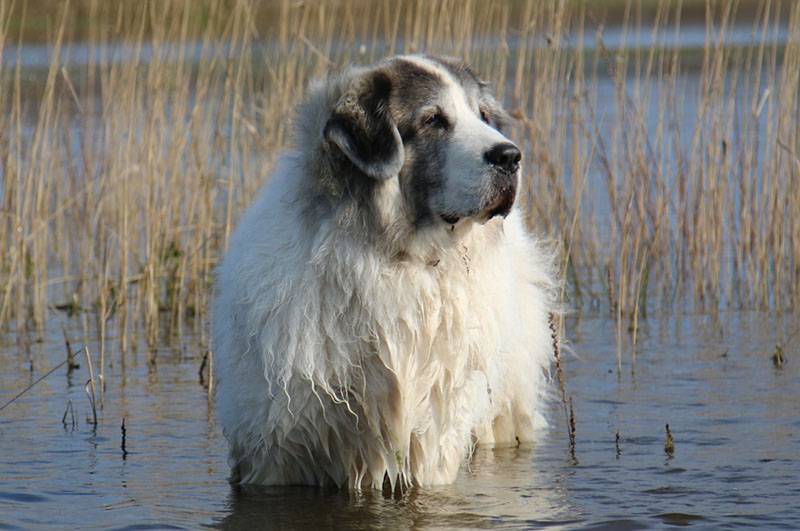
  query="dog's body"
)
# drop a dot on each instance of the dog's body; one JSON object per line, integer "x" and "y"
{"x": 377, "y": 314}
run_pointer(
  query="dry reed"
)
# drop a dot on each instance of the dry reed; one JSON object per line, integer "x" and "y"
{"x": 670, "y": 178}
{"x": 90, "y": 388}
{"x": 123, "y": 439}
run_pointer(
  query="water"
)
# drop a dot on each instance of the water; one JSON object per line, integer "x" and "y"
{"x": 733, "y": 415}
{"x": 39, "y": 56}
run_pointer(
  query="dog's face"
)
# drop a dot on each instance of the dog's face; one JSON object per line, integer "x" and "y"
{"x": 434, "y": 126}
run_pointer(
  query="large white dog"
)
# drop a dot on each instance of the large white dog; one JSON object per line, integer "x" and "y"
{"x": 381, "y": 308}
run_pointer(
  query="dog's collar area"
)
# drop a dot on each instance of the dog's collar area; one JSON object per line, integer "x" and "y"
{"x": 403, "y": 256}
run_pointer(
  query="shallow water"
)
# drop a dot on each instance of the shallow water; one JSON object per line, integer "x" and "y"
{"x": 733, "y": 415}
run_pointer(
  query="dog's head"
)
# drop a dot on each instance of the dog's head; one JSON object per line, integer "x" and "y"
{"x": 432, "y": 125}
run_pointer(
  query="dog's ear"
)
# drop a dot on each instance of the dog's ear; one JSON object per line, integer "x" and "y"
{"x": 361, "y": 127}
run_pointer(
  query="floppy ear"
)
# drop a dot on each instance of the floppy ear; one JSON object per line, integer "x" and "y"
{"x": 362, "y": 128}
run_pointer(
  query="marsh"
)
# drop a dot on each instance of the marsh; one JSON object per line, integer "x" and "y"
{"x": 659, "y": 153}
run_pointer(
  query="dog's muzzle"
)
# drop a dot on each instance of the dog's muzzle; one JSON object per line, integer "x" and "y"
{"x": 504, "y": 159}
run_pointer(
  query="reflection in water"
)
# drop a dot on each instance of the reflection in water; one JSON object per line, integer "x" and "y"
{"x": 500, "y": 488}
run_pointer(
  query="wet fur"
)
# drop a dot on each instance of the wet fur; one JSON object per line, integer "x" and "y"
{"x": 358, "y": 338}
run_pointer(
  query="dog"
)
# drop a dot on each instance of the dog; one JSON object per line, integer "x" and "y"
{"x": 381, "y": 308}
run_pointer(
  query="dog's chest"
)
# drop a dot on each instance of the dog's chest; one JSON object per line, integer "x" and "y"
{"x": 442, "y": 311}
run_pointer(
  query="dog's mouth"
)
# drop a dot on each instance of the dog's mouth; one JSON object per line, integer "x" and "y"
{"x": 501, "y": 204}
{"x": 450, "y": 219}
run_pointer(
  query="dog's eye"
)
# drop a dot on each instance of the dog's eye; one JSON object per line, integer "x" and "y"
{"x": 484, "y": 116}
{"x": 436, "y": 119}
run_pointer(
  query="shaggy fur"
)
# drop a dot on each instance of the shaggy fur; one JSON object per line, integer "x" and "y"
{"x": 364, "y": 330}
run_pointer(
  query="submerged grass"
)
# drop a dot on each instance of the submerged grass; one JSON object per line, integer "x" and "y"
{"x": 670, "y": 180}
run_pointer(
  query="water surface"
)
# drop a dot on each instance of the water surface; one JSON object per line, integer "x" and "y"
{"x": 733, "y": 415}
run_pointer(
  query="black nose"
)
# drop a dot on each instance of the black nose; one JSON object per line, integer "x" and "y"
{"x": 505, "y": 156}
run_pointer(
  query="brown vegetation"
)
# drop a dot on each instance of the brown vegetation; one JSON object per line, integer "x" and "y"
{"x": 671, "y": 178}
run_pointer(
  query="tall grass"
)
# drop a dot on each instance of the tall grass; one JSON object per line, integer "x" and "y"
{"x": 671, "y": 178}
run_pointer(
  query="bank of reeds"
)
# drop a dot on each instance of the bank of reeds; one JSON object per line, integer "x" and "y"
{"x": 670, "y": 177}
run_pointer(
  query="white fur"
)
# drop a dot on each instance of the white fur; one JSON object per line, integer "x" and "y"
{"x": 339, "y": 364}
